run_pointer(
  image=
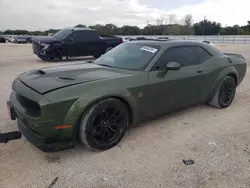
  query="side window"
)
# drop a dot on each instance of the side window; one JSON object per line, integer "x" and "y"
{"x": 85, "y": 36}
{"x": 185, "y": 56}
{"x": 93, "y": 36}
{"x": 76, "y": 36}
{"x": 203, "y": 55}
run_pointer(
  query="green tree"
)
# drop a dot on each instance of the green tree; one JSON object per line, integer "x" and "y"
{"x": 97, "y": 27}
{"x": 51, "y": 31}
{"x": 129, "y": 30}
{"x": 80, "y": 25}
{"x": 185, "y": 27}
{"x": 235, "y": 30}
{"x": 206, "y": 27}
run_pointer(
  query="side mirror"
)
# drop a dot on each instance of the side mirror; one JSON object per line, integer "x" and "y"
{"x": 173, "y": 66}
{"x": 70, "y": 40}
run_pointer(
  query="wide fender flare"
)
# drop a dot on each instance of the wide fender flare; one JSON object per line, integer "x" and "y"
{"x": 81, "y": 105}
{"x": 58, "y": 47}
{"x": 224, "y": 72}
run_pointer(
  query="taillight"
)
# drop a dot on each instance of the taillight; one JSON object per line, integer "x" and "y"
{"x": 121, "y": 41}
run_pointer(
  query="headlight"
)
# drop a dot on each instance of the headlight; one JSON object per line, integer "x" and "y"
{"x": 45, "y": 46}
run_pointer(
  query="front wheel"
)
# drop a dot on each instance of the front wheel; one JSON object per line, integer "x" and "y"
{"x": 225, "y": 93}
{"x": 104, "y": 124}
{"x": 57, "y": 56}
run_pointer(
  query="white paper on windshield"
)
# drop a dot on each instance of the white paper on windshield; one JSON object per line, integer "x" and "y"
{"x": 149, "y": 49}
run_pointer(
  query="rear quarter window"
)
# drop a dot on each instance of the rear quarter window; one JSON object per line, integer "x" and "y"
{"x": 202, "y": 54}
{"x": 85, "y": 36}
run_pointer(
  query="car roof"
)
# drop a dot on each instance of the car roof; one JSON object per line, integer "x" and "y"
{"x": 167, "y": 42}
{"x": 79, "y": 29}
{"x": 164, "y": 44}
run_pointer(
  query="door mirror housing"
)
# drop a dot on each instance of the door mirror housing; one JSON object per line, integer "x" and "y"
{"x": 173, "y": 66}
{"x": 69, "y": 40}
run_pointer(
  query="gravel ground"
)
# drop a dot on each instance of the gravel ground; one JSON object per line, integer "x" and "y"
{"x": 149, "y": 156}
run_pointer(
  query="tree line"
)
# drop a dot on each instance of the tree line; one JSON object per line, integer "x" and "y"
{"x": 168, "y": 25}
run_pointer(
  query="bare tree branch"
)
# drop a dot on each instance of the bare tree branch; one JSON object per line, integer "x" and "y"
{"x": 172, "y": 19}
{"x": 188, "y": 20}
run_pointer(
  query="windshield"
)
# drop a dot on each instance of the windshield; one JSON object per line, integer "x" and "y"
{"x": 62, "y": 34}
{"x": 130, "y": 56}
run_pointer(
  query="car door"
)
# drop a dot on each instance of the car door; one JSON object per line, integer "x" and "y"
{"x": 77, "y": 44}
{"x": 174, "y": 89}
{"x": 72, "y": 44}
{"x": 96, "y": 45}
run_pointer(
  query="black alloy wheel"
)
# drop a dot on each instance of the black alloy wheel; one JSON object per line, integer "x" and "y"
{"x": 108, "y": 125}
{"x": 227, "y": 92}
{"x": 104, "y": 124}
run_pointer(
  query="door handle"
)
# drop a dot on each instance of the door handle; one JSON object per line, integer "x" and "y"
{"x": 199, "y": 70}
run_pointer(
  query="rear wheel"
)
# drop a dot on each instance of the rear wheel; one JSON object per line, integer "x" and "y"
{"x": 104, "y": 124}
{"x": 225, "y": 93}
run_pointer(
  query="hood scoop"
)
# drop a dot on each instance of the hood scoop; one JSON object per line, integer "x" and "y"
{"x": 65, "y": 78}
{"x": 49, "y": 79}
{"x": 41, "y": 72}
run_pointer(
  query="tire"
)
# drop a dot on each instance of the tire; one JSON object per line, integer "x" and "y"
{"x": 42, "y": 58}
{"x": 57, "y": 56}
{"x": 217, "y": 100}
{"x": 93, "y": 129}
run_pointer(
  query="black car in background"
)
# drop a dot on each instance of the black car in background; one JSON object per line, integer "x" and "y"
{"x": 2, "y": 39}
{"x": 73, "y": 42}
{"x": 20, "y": 39}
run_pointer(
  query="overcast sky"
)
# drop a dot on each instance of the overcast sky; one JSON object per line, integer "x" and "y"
{"x": 44, "y": 14}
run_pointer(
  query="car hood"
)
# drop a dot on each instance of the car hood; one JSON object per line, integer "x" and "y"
{"x": 46, "y": 39}
{"x": 48, "y": 79}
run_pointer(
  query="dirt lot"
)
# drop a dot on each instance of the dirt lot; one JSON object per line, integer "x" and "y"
{"x": 150, "y": 155}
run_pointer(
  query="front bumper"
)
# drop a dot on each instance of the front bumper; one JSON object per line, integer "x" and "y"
{"x": 40, "y": 144}
{"x": 37, "y": 140}
{"x": 44, "y": 54}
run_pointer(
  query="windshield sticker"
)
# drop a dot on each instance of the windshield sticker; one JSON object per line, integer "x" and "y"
{"x": 149, "y": 49}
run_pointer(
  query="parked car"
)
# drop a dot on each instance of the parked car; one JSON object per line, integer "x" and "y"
{"x": 126, "y": 39}
{"x": 20, "y": 39}
{"x": 161, "y": 37}
{"x": 94, "y": 103}
{"x": 11, "y": 38}
{"x": 141, "y": 38}
{"x": 73, "y": 42}
{"x": 29, "y": 39}
{"x": 208, "y": 42}
{"x": 2, "y": 39}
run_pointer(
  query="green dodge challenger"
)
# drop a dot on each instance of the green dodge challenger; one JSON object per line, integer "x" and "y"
{"x": 95, "y": 102}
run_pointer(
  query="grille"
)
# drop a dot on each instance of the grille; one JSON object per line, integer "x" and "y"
{"x": 36, "y": 46}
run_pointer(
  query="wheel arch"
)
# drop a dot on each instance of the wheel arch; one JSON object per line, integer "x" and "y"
{"x": 123, "y": 99}
{"x": 234, "y": 75}
{"x": 58, "y": 47}
{"x": 119, "y": 97}
{"x": 228, "y": 71}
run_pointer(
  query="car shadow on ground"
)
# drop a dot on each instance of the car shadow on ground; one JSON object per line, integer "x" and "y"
{"x": 80, "y": 149}
{"x": 68, "y": 60}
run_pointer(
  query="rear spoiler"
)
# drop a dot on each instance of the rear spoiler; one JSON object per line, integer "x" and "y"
{"x": 235, "y": 55}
